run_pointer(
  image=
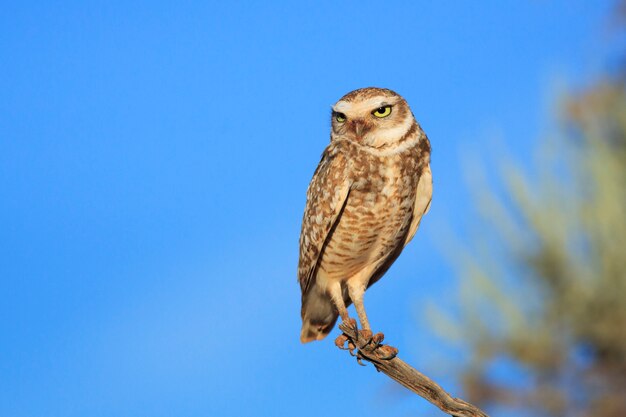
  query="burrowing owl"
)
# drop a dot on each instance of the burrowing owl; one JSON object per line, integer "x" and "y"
{"x": 364, "y": 204}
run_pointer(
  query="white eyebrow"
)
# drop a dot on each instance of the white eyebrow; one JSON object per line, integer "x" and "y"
{"x": 342, "y": 106}
{"x": 367, "y": 105}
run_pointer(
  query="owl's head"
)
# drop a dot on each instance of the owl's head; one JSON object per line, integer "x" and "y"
{"x": 375, "y": 117}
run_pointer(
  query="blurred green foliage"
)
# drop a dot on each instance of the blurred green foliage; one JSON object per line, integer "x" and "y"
{"x": 543, "y": 285}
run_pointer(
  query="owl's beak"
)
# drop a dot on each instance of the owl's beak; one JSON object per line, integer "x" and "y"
{"x": 359, "y": 127}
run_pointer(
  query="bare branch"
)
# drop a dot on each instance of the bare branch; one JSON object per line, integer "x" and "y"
{"x": 398, "y": 370}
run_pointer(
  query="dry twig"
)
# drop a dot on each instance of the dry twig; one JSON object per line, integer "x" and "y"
{"x": 383, "y": 358}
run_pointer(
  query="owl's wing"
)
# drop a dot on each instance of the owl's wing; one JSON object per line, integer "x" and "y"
{"x": 326, "y": 197}
{"x": 423, "y": 197}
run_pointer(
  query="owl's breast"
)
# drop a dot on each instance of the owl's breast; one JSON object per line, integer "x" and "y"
{"x": 374, "y": 221}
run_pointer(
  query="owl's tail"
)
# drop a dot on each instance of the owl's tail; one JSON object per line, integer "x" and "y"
{"x": 319, "y": 315}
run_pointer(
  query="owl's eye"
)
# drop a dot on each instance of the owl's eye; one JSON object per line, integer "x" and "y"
{"x": 340, "y": 117}
{"x": 382, "y": 111}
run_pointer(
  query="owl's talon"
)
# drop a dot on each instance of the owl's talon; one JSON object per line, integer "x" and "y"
{"x": 351, "y": 348}
{"x": 359, "y": 360}
{"x": 386, "y": 352}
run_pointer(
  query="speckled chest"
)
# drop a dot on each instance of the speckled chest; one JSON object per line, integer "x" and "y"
{"x": 378, "y": 212}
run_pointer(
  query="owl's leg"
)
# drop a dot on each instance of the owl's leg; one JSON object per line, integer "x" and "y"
{"x": 336, "y": 295}
{"x": 356, "y": 292}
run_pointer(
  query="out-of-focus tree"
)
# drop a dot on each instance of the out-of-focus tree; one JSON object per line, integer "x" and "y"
{"x": 543, "y": 287}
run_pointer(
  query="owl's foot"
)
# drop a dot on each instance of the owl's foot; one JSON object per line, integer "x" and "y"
{"x": 378, "y": 338}
{"x": 366, "y": 338}
{"x": 366, "y": 345}
{"x": 341, "y": 340}
{"x": 374, "y": 345}
{"x": 386, "y": 352}
{"x": 370, "y": 347}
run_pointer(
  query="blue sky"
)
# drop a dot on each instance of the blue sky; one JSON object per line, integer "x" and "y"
{"x": 154, "y": 159}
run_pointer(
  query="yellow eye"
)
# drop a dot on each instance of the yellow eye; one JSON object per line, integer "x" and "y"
{"x": 382, "y": 111}
{"x": 340, "y": 117}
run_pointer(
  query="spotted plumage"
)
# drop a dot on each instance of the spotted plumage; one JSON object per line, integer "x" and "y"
{"x": 364, "y": 204}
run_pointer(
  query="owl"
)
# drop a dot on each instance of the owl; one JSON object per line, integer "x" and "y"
{"x": 364, "y": 204}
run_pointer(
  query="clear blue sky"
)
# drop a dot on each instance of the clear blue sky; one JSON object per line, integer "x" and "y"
{"x": 154, "y": 159}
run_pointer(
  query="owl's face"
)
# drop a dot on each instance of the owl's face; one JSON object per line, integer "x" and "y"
{"x": 371, "y": 116}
